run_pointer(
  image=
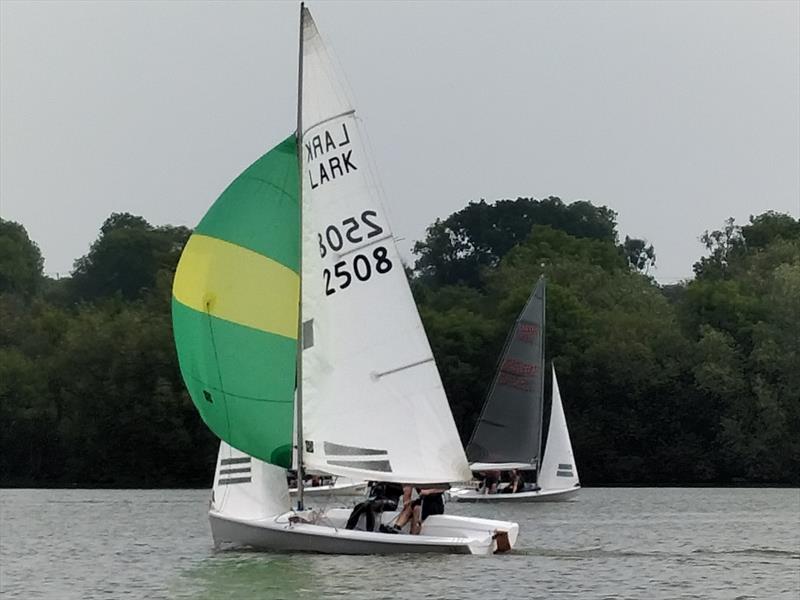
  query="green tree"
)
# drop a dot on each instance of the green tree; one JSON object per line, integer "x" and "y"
{"x": 458, "y": 249}
{"x": 744, "y": 306}
{"x": 20, "y": 260}
{"x": 127, "y": 258}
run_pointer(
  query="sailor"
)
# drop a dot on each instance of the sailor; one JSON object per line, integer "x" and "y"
{"x": 429, "y": 501}
{"x": 382, "y": 496}
{"x": 432, "y": 503}
{"x": 516, "y": 483}
{"x": 490, "y": 481}
{"x": 405, "y": 515}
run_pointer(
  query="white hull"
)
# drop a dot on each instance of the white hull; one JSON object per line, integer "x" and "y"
{"x": 472, "y": 495}
{"x": 337, "y": 489}
{"x": 440, "y": 534}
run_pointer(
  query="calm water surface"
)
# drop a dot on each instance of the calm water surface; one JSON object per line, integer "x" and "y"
{"x": 609, "y": 543}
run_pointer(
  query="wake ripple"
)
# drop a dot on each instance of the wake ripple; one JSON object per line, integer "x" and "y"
{"x": 601, "y": 553}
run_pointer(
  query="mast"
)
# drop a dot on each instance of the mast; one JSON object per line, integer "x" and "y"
{"x": 541, "y": 378}
{"x": 299, "y": 401}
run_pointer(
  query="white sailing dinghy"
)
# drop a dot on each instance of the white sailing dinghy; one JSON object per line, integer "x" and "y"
{"x": 291, "y": 290}
{"x": 509, "y": 430}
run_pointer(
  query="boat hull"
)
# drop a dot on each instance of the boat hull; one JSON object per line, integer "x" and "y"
{"x": 471, "y": 495}
{"x": 442, "y": 534}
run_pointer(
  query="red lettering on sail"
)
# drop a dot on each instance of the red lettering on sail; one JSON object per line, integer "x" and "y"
{"x": 527, "y": 332}
{"x": 521, "y": 383}
{"x": 518, "y": 367}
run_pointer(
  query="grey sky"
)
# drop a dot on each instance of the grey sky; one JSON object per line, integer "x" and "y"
{"x": 676, "y": 115}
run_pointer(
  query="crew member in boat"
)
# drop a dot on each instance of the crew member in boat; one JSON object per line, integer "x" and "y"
{"x": 516, "y": 483}
{"x": 405, "y": 515}
{"x": 489, "y": 482}
{"x": 429, "y": 501}
{"x": 382, "y": 497}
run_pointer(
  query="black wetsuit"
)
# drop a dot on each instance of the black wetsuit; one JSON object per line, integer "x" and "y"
{"x": 383, "y": 496}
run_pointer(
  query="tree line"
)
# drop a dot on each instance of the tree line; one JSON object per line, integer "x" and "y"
{"x": 697, "y": 382}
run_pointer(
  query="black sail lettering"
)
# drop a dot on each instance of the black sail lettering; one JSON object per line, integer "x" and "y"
{"x": 329, "y": 144}
{"x": 346, "y": 135}
{"x": 348, "y": 166}
{"x": 317, "y": 143}
{"x": 323, "y": 174}
{"x": 335, "y": 165}
{"x": 311, "y": 180}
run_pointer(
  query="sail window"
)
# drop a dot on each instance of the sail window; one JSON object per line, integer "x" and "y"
{"x": 308, "y": 334}
{"x": 235, "y": 461}
{"x": 342, "y": 450}
{"x": 369, "y": 465}
{"x": 234, "y": 480}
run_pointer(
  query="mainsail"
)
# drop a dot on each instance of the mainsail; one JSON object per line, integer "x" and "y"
{"x": 373, "y": 403}
{"x": 234, "y": 308}
{"x": 509, "y": 431}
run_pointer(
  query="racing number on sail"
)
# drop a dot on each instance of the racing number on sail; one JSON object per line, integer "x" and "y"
{"x": 360, "y": 268}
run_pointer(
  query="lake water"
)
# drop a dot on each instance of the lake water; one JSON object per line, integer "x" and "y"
{"x": 609, "y": 543}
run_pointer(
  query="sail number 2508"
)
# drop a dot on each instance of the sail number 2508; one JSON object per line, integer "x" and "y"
{"x": 362, "y": 266}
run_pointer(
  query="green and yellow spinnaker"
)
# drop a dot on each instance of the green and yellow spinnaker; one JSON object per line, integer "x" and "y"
{"x": 235, "y": 308}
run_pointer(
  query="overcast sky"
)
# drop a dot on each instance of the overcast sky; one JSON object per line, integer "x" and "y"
{"x": 676, "y": 115}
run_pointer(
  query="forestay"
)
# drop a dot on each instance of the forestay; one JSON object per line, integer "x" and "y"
{"x": 558, "y": 469}
{"x": 509, "y": 428}
{"x": 373, "y": 402}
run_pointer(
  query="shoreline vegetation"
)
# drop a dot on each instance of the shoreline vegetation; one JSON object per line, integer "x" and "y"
{"x": 694, "y": 384}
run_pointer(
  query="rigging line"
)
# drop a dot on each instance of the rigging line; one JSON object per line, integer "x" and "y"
{"x": 216, "y": 362}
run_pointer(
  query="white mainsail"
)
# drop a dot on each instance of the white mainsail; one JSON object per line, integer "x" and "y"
{"x": 373, "y": 402}
{"x": 558, "y": 469}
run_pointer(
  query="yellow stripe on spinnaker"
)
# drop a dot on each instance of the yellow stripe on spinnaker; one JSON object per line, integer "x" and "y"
{"x": 236, "y": 284}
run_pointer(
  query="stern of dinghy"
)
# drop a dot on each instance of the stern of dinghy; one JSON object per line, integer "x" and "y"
{"x": 489, "y": 536}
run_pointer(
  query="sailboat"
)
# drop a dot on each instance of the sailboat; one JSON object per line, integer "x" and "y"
{"x": 509, "y": 430}
{"x": 300, "y": 344}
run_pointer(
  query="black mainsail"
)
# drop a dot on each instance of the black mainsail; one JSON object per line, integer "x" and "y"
{"x": 508, "y": 433}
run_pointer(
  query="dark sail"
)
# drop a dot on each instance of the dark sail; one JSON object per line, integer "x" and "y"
{"x": 509, "y": 429}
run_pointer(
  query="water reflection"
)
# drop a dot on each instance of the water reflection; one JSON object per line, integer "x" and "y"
{"x": 241, "y": 574}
